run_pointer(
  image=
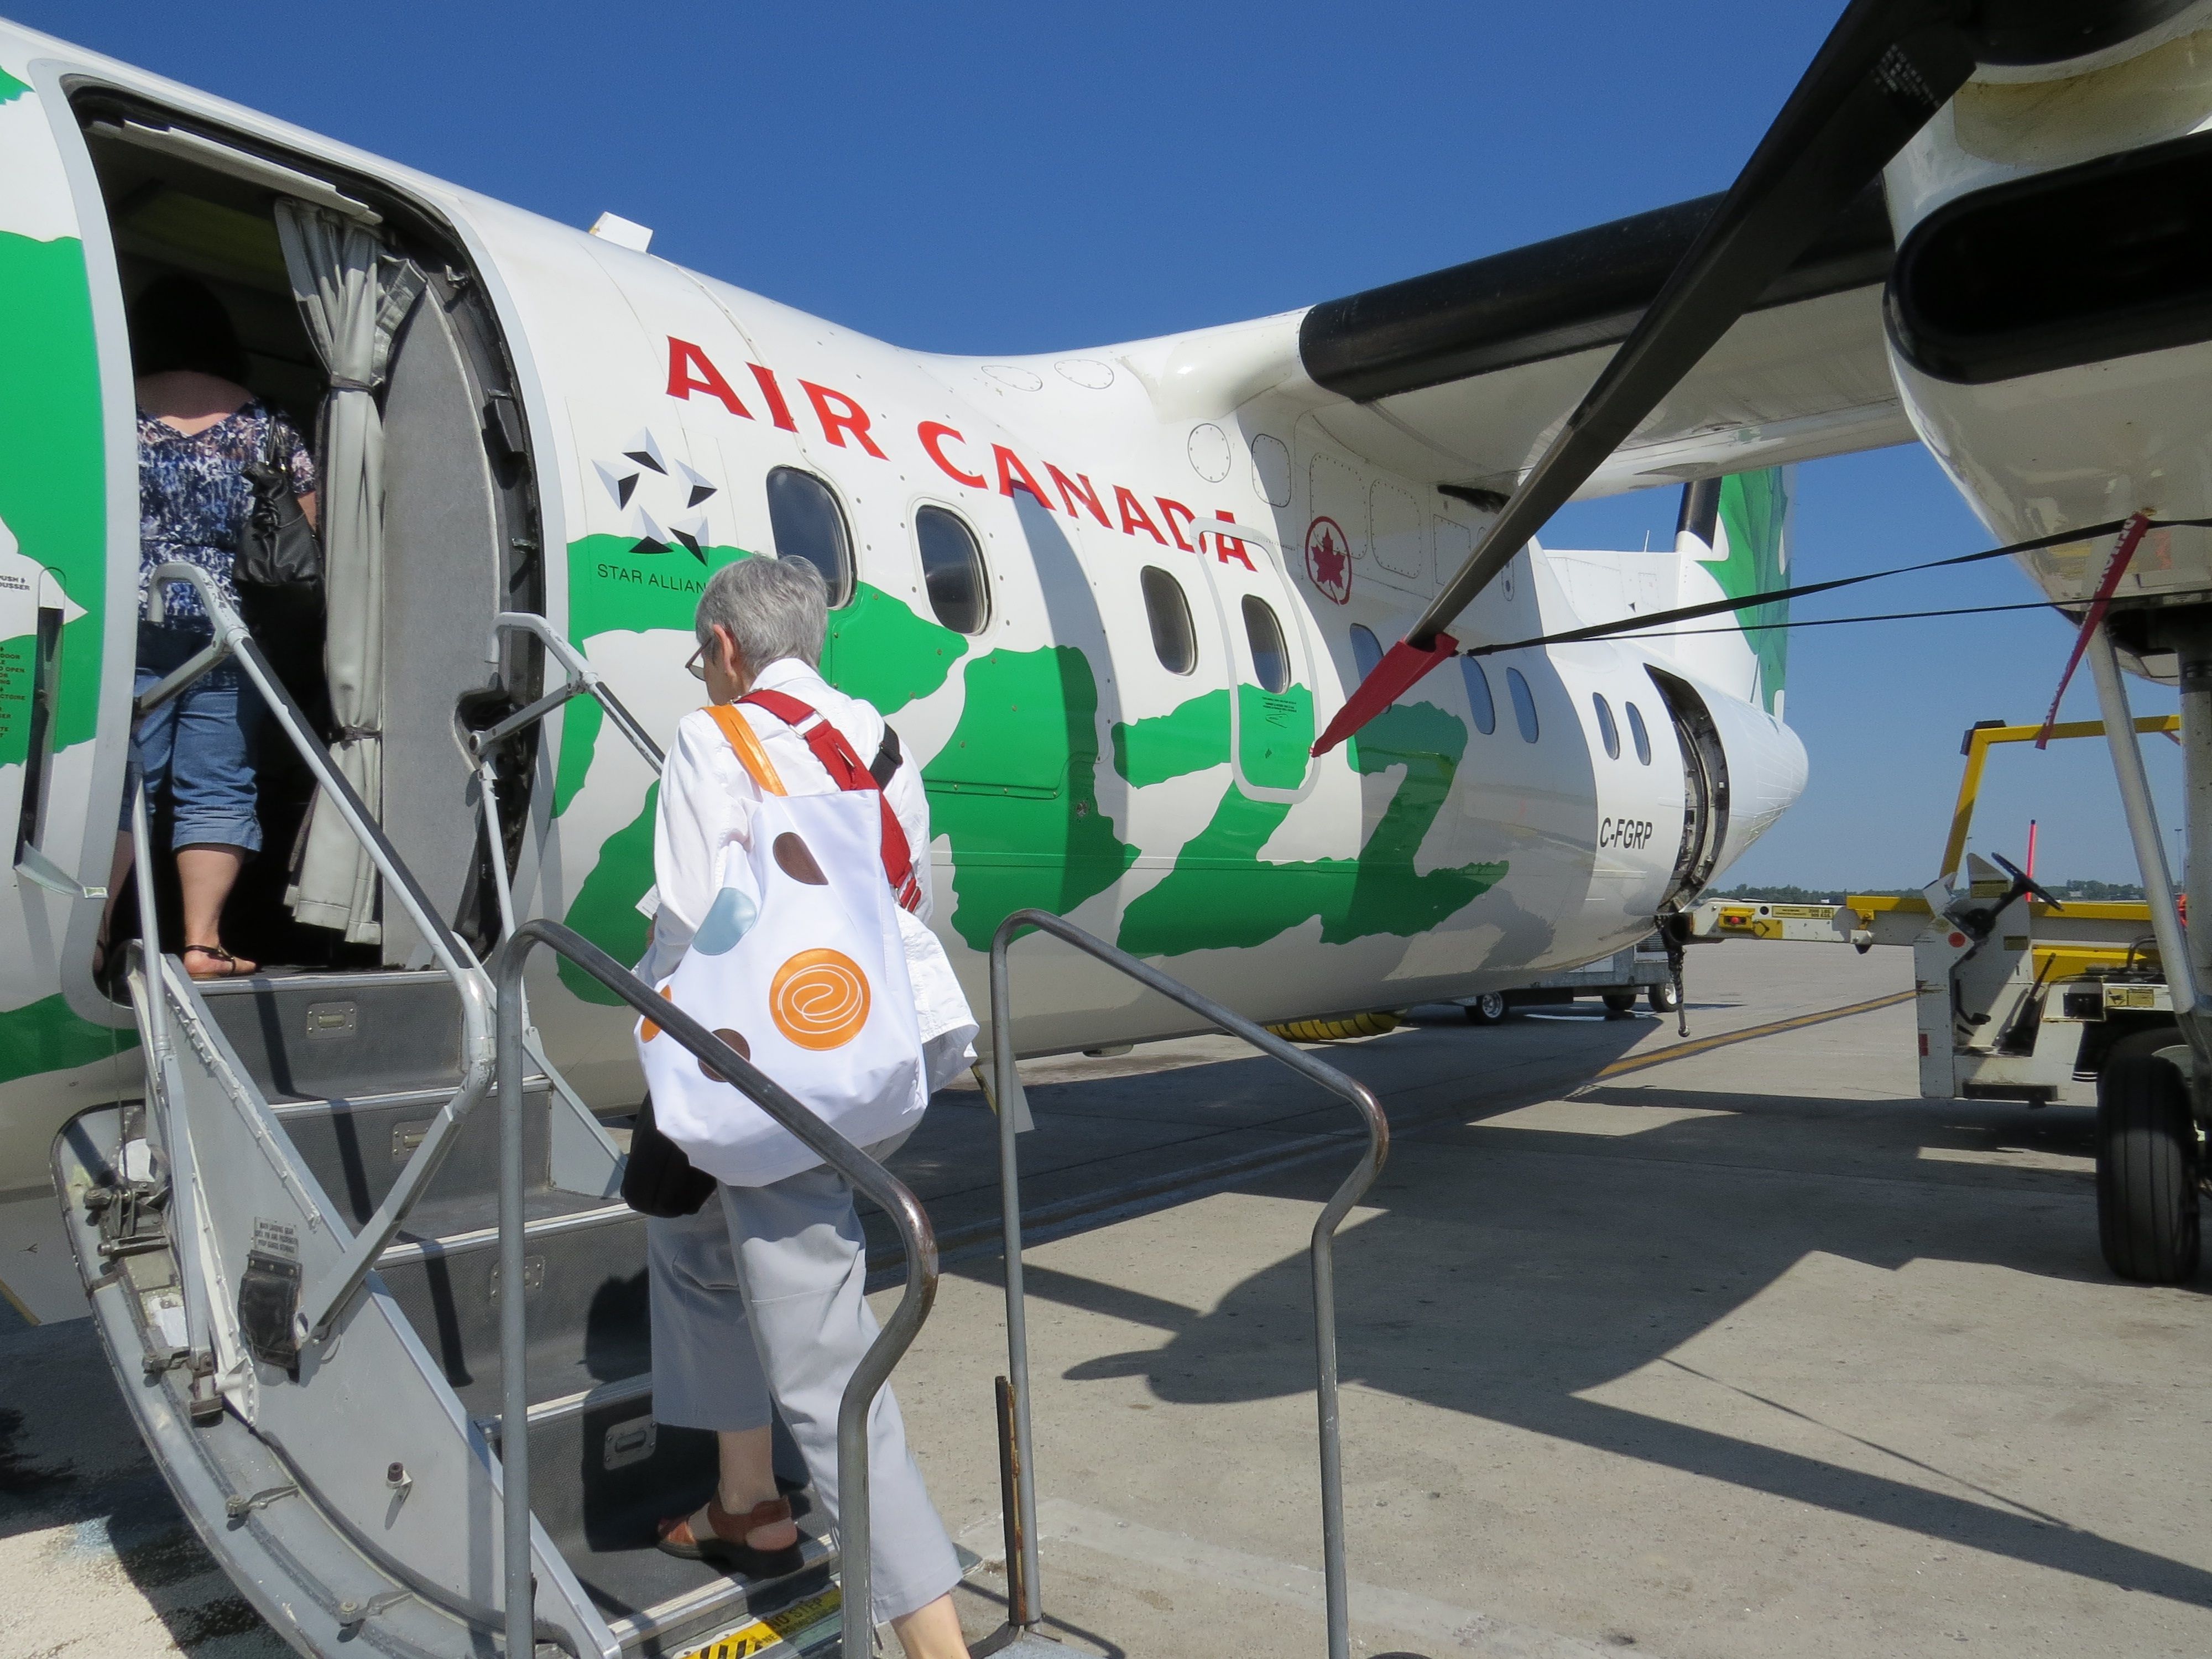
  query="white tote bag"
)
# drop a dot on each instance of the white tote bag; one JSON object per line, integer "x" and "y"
{"x": 800, "y": 966}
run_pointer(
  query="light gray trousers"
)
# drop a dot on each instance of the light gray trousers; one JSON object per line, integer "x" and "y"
{"x": 757, "y": 1307}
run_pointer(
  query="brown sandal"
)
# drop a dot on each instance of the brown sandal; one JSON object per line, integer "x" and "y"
{"x": 723, "y": 1545}
{"x": 232, "y": 967}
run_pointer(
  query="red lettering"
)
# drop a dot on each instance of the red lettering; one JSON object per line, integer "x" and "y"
{"x": 932, "y": 434}
{"x": 1135, "y": 518}
{"x": 1226, "y": 548}
{"x": 1013, "y": 476}
{"x": 688, "y": 371}
{"x": 847, "y": 416}
{"x": 1171, "y": 511}
{"x": 772, "y": 395}
{"x": 1070, "y": 494}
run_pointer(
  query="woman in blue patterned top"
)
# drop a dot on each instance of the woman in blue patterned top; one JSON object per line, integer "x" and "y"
{"x": 199, "y": 430}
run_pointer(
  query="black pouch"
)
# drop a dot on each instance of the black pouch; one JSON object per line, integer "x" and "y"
{"x": 279, "y": 550}
{"x": 658, "y": 1180}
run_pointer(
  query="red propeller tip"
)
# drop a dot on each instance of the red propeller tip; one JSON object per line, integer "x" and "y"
{"x": 1403, "y": 666}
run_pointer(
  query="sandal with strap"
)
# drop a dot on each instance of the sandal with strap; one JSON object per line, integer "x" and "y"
{"x": 232, "y": 967}
{"x": 722, "y": 1543}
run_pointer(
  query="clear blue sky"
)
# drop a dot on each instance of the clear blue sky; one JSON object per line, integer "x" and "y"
{"x": 1023, "y": 177}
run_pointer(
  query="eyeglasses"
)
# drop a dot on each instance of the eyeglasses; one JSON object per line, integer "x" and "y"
{"x": 696, "y": 667}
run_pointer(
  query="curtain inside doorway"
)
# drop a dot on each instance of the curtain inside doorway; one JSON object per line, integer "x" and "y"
{"x": 354, "y": 294}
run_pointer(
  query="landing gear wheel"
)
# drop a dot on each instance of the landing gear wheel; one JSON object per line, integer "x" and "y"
{"x": 1619, "y": 1005}
{"x": 1663, "y": 997}
{"x": 2146, "y": 1164}
{"x": 1488, "y": 1009}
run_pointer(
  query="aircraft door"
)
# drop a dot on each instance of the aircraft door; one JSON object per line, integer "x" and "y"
{"x": 68, "y": 565}
{"x": 1264, "y": 640}
{"x": 1705, "y": 787}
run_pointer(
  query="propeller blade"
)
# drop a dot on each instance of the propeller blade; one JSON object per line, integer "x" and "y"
{"x": 1884, "y": 70}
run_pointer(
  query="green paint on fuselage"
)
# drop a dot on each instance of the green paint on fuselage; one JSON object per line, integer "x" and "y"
{"x": 1755, "y": 510}
{"x": 1221, "y": 894}
{"x": 1015, "y": 789}
{"x": 880, "y": 651}
{"x": 46, "y": 1036}
{"x": 10, "y": 87}
{"x": 604, "y": 909}
{"x": 53, "y": 491}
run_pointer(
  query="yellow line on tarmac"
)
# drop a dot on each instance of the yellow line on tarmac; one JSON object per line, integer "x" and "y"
{"x": 1701, "y": 1045}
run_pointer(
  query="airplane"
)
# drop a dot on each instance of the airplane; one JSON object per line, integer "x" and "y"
{"x": 1104, "y": 594}
{"x": 1128, "y": 604}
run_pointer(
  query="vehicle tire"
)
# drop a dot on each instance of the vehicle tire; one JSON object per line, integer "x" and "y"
{"x": 1663, "y": 997}
{"x": 1488, "y": 1009}
{"x": 1619, "y": 1003}
{"x": 2146, "y": 1164}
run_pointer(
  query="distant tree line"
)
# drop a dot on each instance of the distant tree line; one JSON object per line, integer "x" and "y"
{"x": 2089, "y": 892}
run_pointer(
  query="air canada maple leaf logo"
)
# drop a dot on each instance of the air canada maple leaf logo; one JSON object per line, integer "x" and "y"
{"x": 1328, "y": 559}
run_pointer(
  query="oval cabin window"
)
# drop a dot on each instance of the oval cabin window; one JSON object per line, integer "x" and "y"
{"x": 1605, "y": 728}
{"x": 1479, "y": 702}
{"x": 806, "y": 523}
{"x": 1637, "y": 735}
{"x": 1524, "y": 704}
{"x": 1271, "y": 660}
{"x": 1174, "y": 641}
{"x": 952, "y": 570}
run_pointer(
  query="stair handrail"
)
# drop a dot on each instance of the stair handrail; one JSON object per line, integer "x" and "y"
{"x": 582, "y": 679}
{"x": 1025, "y": 1607}
{"x": 321, "y": 1301}
{"x": 882, "y": 1188}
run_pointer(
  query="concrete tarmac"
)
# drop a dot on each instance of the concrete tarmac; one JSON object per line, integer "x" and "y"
{"x": 1745, "y": 1352}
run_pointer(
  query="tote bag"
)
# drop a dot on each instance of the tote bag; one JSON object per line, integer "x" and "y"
{"x": 799, "y": 966}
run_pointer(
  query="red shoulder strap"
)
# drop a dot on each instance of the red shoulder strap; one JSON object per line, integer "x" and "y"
{"x": 846, "y": 772}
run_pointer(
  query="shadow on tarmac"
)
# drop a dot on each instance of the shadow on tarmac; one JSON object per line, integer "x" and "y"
{"x": 1503, "y": 1282}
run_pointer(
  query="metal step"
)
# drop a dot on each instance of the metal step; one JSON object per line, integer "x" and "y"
{"x": 583, "y": 1284}
{"x": 319, "y": 1036}
{"x": 357, "y": 1146}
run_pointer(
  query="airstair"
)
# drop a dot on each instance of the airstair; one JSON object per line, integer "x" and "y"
{"x": 361, "y": 1264}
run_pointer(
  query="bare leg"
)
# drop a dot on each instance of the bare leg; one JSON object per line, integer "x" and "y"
{"x": 932, "y": 1632}
{"x": 118, "y": 871}
{"x": 748, "y": 1477}
{"x": 207, "y": 873}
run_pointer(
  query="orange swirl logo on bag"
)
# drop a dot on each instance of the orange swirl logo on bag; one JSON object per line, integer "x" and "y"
{"x": 819, "y": 999}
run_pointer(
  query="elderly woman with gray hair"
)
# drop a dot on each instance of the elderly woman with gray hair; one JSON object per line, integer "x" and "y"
{"x": 757, "y": 1298}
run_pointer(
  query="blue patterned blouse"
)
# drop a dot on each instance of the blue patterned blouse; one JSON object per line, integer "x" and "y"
{"x": 193, "y": 498}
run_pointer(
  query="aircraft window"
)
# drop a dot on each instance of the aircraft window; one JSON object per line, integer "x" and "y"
{"x": 1524, "y": 704}
{"x": 1605, "y": 728}
{"x": 807, "y": 524}
{"x": 952, "y": 568}
{"x": 1174, "y": 639}
{"x": 1366, "y": 651}
{"x": 1271, "y": 662}
{"x": 1641, "y": 736}
{"x": 1478, "y": 695}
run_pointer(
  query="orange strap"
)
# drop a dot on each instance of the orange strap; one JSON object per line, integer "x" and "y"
{"x": 747, "y": 745}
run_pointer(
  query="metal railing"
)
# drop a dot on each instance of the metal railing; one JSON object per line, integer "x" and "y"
{"x": 1023, "y": 1602}
{"x": 840, "y": 1154}
{"x": 231, "y": 639}
{"x": 583, "y": 680}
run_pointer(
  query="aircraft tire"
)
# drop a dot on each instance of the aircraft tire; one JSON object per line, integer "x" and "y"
{"x": 1663, "y": 997}
{"x": 1337, "y": 1029}
{"x": 1488, "y": 1009}
{"x": 2147, "y": 1165}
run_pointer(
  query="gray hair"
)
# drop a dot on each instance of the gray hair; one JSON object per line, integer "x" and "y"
{"x": 774, "y": 608}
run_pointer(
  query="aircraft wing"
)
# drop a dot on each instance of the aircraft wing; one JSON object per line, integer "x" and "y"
{"x": 1463, "y": 376}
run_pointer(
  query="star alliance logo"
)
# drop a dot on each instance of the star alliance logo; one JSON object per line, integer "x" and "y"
{"x": 661, "y": 496}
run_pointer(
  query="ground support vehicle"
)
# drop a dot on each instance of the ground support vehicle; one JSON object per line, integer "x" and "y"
{"x": 1620, "y": 980}
{"x": 2020, "y": 995}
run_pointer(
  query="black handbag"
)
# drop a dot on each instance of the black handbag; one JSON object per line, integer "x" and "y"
{"x": 658, "y": 1179}
{"x": 279, "y": 551}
